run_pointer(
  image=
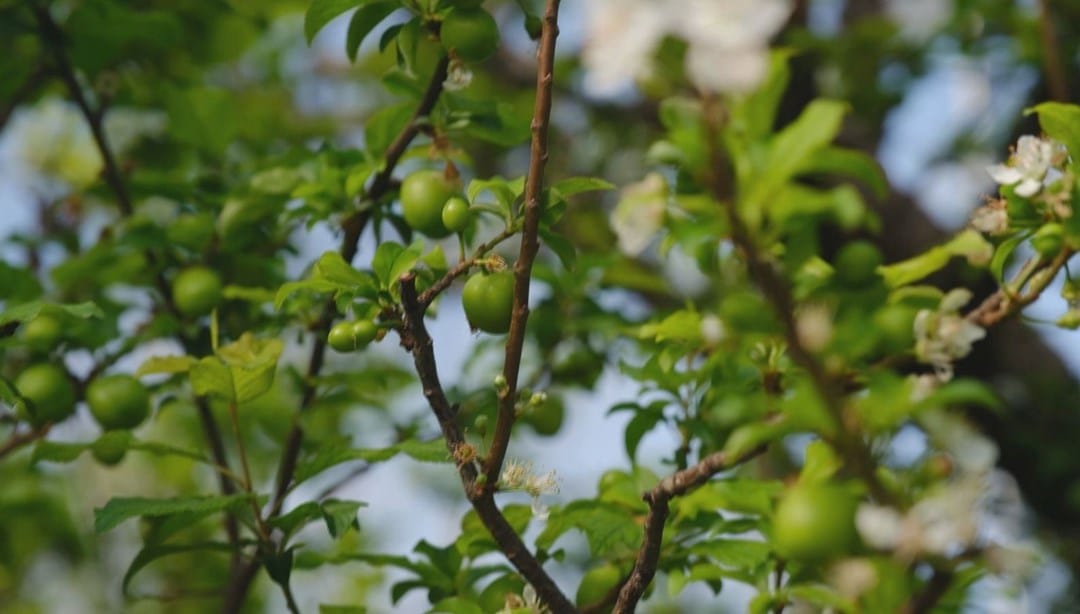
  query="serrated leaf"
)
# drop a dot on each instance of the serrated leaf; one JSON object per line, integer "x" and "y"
{"x": 320, "y": 286}
{"x": 332, "y": 267}
{"x": 165, "y": 365}
{"x": 153, "y": 552}
{"x": 321, "y": 12}
{"x": 119, "y": 509}
{"x": 968, "y": 244}
{"x": 363, "y": 21}
{"x": 609, "y": 530}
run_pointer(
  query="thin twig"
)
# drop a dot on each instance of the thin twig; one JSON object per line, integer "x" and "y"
{"x": 32, "y": 82}
{"x": 676, "y": 484}
{"x": 54, "y": 39}
{"x": 19, "y": 440}
{"x": 1057, "y": 80}
{"x": 530, "y": 243}
{"x": 1003, "y": 304}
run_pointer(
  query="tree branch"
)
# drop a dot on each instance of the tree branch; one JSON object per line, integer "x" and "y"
{"x": 675, "y": 485}
{"x": 18, "y": 440}
{"x": 416, "y": 339}
{"x": 32, "y": 82}
{"x": 1057, "y": 80}
{"x": 1002, "y": 304}
{"x": 530, "y": 244}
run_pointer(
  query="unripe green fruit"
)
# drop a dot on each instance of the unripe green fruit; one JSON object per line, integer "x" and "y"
{"x": 488, "y": 299}
{"x": 423, "y": 195}
{"x": 896, "y": 327}
{"x": 815, "y": 522}
{"x": 49, "y": 390}
{"x": 455, "y": 214}
{"x": 857, "y": 263}
{"x": 43, "y": 333}
{"x": 196, "y": 291}
{"x": 1048, "y": 240}
{"x": 111, "y": 447}
{"x": 471, "y": 34}
{"x": 341, "y": 337}
{"x": 364, "y": 332}
{"x": 118, "y": 402}
{"x": 191, "y": 231}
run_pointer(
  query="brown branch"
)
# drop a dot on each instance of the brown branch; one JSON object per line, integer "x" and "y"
{"x": 353, "y": 226}
{"x": 427, "y": 296}
{"x": 530, "y": 243}
{"x": 1057, "y": 81}
{"x": 19, "y": 440}
{"x": 32, "y": 82}
{"x": 676, "y": 484}
{"x": 53, "y": 38}
{"x": 1003, "y": 304}
{"x": 416, "y": 339}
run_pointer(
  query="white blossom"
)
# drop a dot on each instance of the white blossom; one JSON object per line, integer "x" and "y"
{"x": 1027, "y": 166}
{"x": 639, "y": 214}
{"x": 943, "y": 336}
{"x": 517, "y": 475}
{"x": 458, "y": 76}
{"x": 727, "y": 42}
{"x": 991, "y": 219}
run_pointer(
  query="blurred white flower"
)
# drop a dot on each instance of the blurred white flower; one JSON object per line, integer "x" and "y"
{"x": 517, "y": 475}
{"x": 991, "y": 218}
{"x": 458, "y": 76}
{"x": 814, "y": 326}
{"x": 713, "y": 330}
{"x": 727, "y": 42}
{"x": 970, "y": 450}
{"x": 943, "y": 336}
{"x": 1027, "y": 166}
{"x": 639, "y": 214}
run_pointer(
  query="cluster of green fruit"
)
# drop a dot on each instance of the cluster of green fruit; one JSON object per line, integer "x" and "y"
{"x": 117, "y": 402}
{"x": 432, "y": 204}
{"x": 352, "y": 336}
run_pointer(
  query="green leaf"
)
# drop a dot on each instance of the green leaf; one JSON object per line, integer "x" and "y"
{"x": 326, "y": 608}
{"x": 340, "y": 516}
{"x": 279, "y": 566}
{"x": 153, "y": 552}
{"x": 31, "y": 310}
{"x": 821, "y": 463}
{"x": 577, "y": 185}
{"x": 321, "y": 12}
{"x": 969, "y": 244}
{"x": 57, "y": 452}
{"x": 1061, "y": 122}
{"x": 735, "y": 553}
{"x": 1002, "y": 253}
{"x": 119, "y": 509}
{"x": 251, "y": 363}
{"x": 433, "y": 451}
{"x": 384, "y": 125}
{"x": 165, "y": 364}
{"x": 821, "y": 595}
{"x": 608, "y": 528}
{"x": 211, "y": 377}
{"x": 363, "y": 22}
{"x": 456, "y": 605}
{"x": 848, "y": 163}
